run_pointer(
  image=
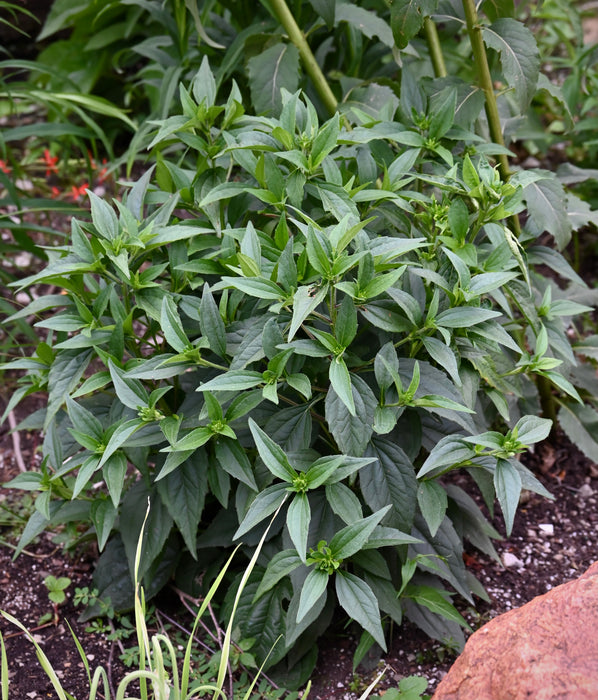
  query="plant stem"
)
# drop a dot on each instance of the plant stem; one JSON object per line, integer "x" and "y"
{"x": 312, "y": 68}
{"x": 435, "y": 48}
{"x": 474, "y": 30}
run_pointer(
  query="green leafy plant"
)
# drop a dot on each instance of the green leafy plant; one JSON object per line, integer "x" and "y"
{"x": 319, "y": 318}
{"x": 320, "y": 315}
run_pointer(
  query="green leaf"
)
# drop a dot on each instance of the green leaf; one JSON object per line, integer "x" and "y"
{"x": 264, "y": 504}
{"x": 84, "y": 421}
{"x": 64, "y": 375}
{"x": 183, "y": 492}
{"x": 367, "y": 22}
{"x": 120, "y": 435}
{"x": 325, "y": 140}
{"x": 352, "y": 538}
{"x": 318, "y": 251}
{"x": 546, "y": 203}
{"x": 345, "y": 327}
{"x": 531, "y": 429}
{"x": 519, "y": 56}
{"x": 103, "y": 515}
{"x": 359, "y": 602}
{"x": 434, "y": 600}
{"x": 448, "y": 452}
{"x": 157, "y": 526}
{"x": 464, "y": 316}
{"x": 444, "y": 356}
{"x": 407, "y": 18}
{"x": 390, "y": 480}
{"x": 343, "y": 502}
{"x": 211, "y": 323}
{"x": 298, "y": 518}
{"x": 271, "y": 70}
{"x": 313, "y": 588}
{"x": 130, "y": 392}
{"x": 507, "y": 483}
{"x": 580, "y": 423}
{"x": 191, "y": 441}
{"x": 233, "y": 459}
{"x": 306, "y": 300}
{"x": 433, "y": 503}
{"x": 235, "y": 380}
{"x": 114, "y": 472}
{"x": 352, "y": 430}
{"x": 340, "y": 380}
{"x": 103, "y": 217}
{"x": 272, "y": 454}
{"x": 281, "y": 565}
{"x": 259, "y": 287}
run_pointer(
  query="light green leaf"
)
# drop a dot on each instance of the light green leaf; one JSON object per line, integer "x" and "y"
{"x": 359, "y": 602}
{"x": 313, "y": 588}
{"x": 264, "y": 504}
{"x": 464, "y": 316}
{"x": 122, "y": 433}
{"x": 433, "y": 503}
{"x": 211, "y": 323}
{"x": 281, "y": 565}
{"x": 340, "y": 379}
{"x": 103, "y": 515}
{"x": 298, "y": 518}
{"x": 343, "y": 502}
{"x": 306, "y": 300}
{"x": 433, "y": 599}
{"x": 352, "y": 538}
{"x": 172, "y": 327}
{"x": 272, "y": 455}
{"x": 235, "y": 380}
{"x": 130, "y": 392}
{"x": 507, "y": 483}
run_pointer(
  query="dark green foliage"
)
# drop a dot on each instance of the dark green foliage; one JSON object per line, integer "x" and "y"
{"x": 320, "y": 315}
{"x": 292, "y": 332}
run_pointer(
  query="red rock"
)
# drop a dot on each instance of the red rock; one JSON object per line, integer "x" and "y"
{"x": 545, "y": 650}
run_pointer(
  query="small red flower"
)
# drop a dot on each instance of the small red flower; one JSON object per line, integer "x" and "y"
{"x": 103, "y": 174}
{"x": 5, "y": 167}
{"x": 78, "y": 192}
{"x": 50, "y": 162}
{"x": 55, "y": 192}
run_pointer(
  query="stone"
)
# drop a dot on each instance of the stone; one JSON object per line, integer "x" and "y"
{"x": 510, "y": 560}
{"x": 545, "y": 650}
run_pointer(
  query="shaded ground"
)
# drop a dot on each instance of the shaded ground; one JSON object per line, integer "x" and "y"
{"x": 552, "y": 543}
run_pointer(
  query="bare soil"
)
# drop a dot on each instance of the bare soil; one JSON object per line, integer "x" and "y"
{"x": 552, "y": 542}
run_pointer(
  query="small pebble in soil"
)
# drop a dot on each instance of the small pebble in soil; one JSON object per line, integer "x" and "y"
{"x": 510, "y": 560}
{"x": 547, "y": 528}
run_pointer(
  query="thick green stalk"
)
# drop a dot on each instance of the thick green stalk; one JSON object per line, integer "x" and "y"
{"x": 434, "y": 48}
{"x": 474, "y": 30}
{"x": 312, "y": 68}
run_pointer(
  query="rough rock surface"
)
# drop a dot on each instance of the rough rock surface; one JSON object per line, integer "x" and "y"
{"x": 545, "y": 650}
